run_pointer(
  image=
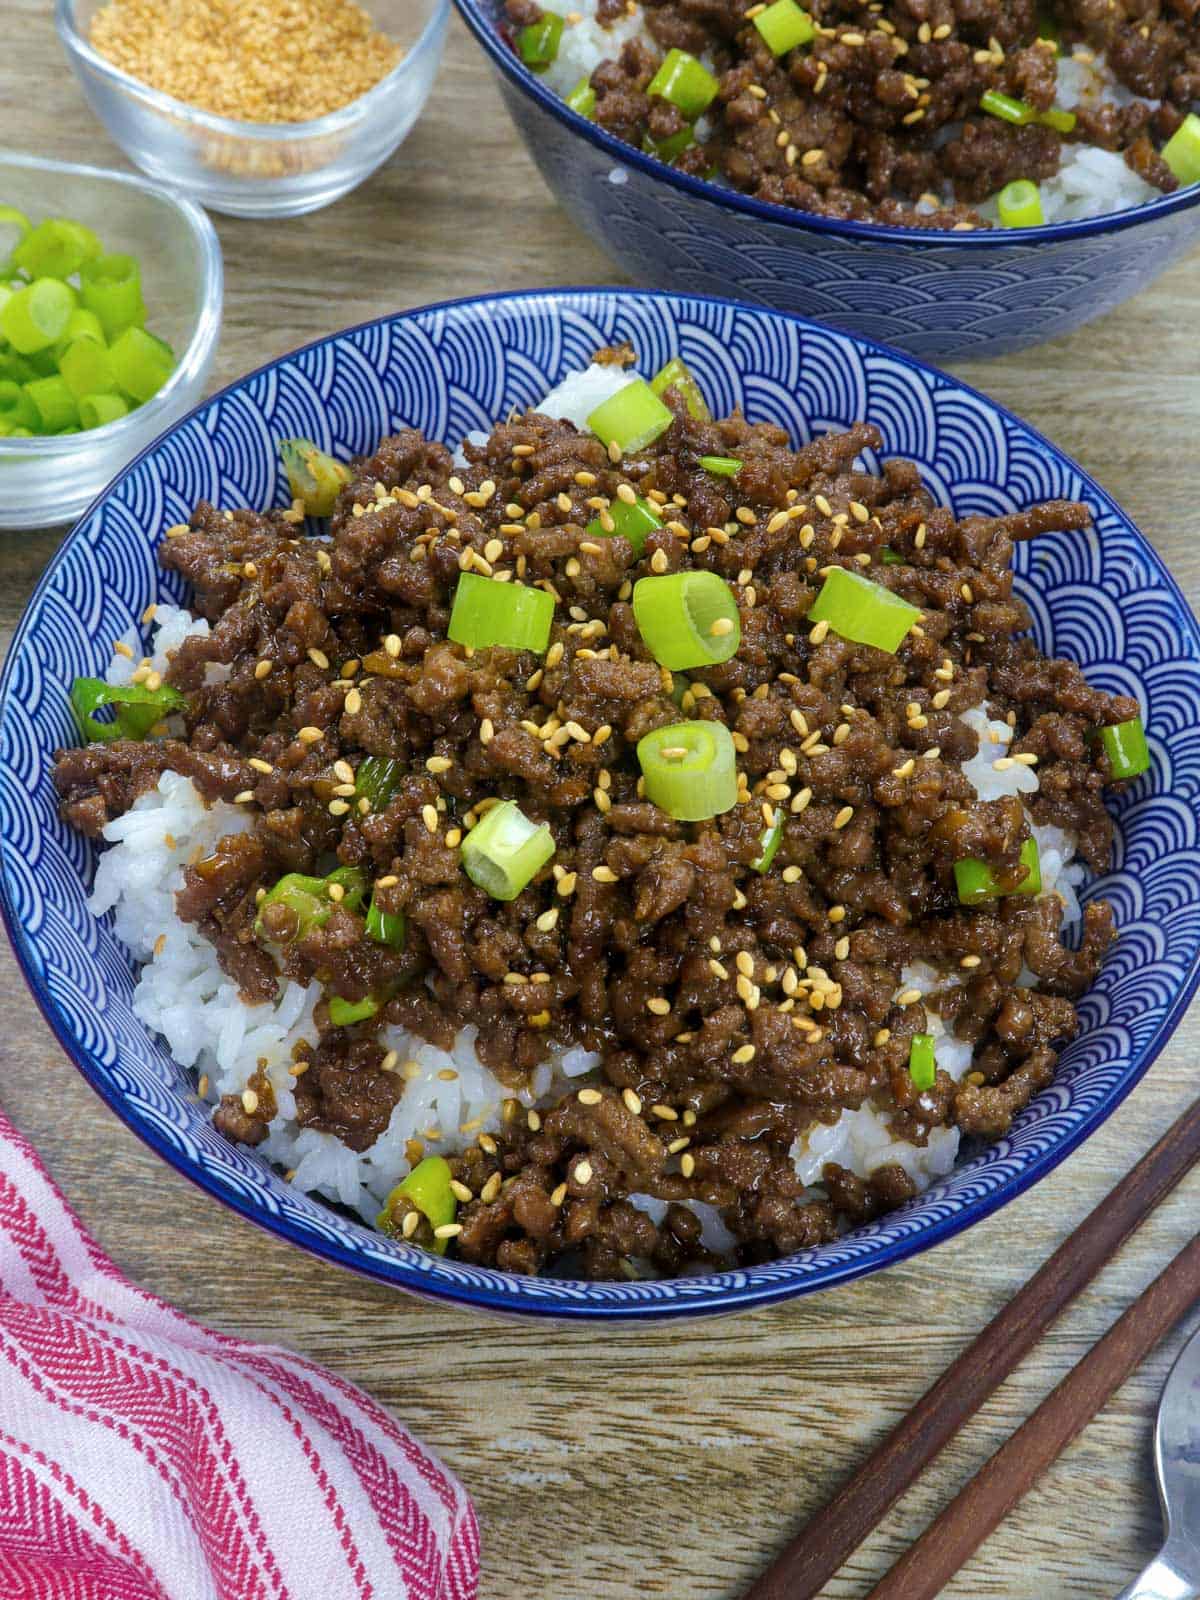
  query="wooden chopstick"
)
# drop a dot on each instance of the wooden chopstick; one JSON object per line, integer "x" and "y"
{"x": 801, "y": 1570}
{"x": 925, "y": 1568}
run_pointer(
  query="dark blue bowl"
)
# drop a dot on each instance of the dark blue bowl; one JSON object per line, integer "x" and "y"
{"x": 1103, "y": 597}
{"x": 937, "y": 295}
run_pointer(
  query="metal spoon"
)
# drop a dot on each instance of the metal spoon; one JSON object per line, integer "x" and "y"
{"x": 1174, "y": 1574}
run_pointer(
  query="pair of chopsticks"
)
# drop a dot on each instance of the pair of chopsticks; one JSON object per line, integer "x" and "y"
{"x": 834, "y": 1532}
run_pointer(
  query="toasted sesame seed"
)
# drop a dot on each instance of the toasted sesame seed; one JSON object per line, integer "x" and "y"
{"x": 687, "y": 1165}
{"x": 583, "y": 1173}
{"x": 601, "y": 874}
{"x": 243, "y": 799}
{"x": 742, "y": 1054}
{"x": 589, "y": 1097}
{"x": 658, "y": 1006}
{"x": 908, "y": 997}
{"x": 819, "y": 632}
{"x": 249, "y": 1102}
{"x": 448, "y": 1230}
{"x": 836, "y": 913}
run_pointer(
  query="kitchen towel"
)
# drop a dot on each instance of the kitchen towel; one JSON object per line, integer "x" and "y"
{"x": 144, "y": 1457}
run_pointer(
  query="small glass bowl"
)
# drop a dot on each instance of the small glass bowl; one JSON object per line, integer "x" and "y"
{"x": 255, "y": 169}
{"x": 44, "y": 482}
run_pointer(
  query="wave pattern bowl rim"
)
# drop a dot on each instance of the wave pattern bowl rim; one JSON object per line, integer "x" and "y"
{"x": 477, "y": 18}
{"x": 510, "y": 347}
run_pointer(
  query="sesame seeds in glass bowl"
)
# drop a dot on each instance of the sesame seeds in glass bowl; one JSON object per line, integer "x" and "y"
{"x": 263, "y": 168}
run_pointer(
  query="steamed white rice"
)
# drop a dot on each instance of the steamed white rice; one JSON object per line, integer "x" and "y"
{"x": 1090, "y": 182}
{"x": 182, "y": 994}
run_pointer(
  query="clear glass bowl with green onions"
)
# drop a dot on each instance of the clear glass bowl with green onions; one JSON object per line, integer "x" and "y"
{"x": 77, "y": 409}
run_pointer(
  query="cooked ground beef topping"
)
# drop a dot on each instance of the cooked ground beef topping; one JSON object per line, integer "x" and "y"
{"x": 731, "y": 1008}
{"x": 882, "y": 109}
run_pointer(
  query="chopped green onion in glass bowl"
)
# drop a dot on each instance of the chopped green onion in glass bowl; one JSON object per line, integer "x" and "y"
{"x": 50, "y": 479}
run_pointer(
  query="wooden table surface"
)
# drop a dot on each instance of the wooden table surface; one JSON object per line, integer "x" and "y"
{"x": 630, "y": 1463}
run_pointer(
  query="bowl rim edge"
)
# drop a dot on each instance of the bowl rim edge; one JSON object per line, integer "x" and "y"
{"x": 735, "y": 1297}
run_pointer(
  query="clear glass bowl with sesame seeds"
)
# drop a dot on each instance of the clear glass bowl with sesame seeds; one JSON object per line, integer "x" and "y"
{"x": 48, "y": 481}
{"x": 258, "y": 169}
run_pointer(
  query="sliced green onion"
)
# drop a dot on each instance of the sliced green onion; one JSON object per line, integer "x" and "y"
{"x": 98, "y": 410}
{"x": 36, "y": 317}
{"x": 1020, "y": 113}
{"x": 721, "y": 466}
{"x": 582, "y": 98}
{"x": 10, "y": 217}
{"x": 141, "y": 363}
{"x": 305, "y": 897}
{"x": 504, "y": 851}
{"x": 17, "y": 410}
{"x": 86, "y": 368}
{"x": 15, "y": 367}
{"x": 688, "y": 619}
{"x": 510, "y": 614}
{"x": 630, "y": 419}
{"x": 56, "y": 248}
{"x": 783, "y": 26}
{"x": 675, "y": 375}
{"x": 309, "y": 900}
{"x": 353, "y": 883}
{"x": 427, "y": 1188}
{"x": 670, "y": 148}
{"x": 862, "y": 611}
{"x": 112, "y": 287}
{"x": 768, "y": 844}
{"x": 1058, "y": 119}
{"x": 890, "y": 557}
{"x": 690, "y": 769}
{"x": 55, "y": 404}
{"x": 83, "y": 324}
{"x": 1182, "y": 150}
{"x": 1020, "y": 205}
{"x": 378, "y": 780}
{"x": 1126, "y": 748}
{"x": 1006, "y": 107}
{"x": 314, "y": 478}
{"x": 976, "y": 882}
{"x": 685, "y": 83}
{"x": 922, "y": 1066}
{"x": 387, "y": 927}
{"x": 345, "y": 1013}
{"x": 634, "y": 522}
{"x": 537, "y": 45}
{"x": 137, "y": 708}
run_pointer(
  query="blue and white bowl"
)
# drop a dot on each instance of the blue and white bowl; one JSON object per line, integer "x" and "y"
{"x": 938, "y": 295}
{"x": 1103, "y": 597}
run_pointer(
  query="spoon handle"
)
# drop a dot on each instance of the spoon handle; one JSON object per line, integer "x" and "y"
{"x": 1174, "y": 1574}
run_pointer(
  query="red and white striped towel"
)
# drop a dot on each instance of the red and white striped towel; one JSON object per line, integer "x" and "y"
{"x": 143, "y": 1457}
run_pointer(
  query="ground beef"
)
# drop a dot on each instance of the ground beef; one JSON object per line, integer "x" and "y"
{"x": 882, "y": 109}
{"x": 730, "y": 1008}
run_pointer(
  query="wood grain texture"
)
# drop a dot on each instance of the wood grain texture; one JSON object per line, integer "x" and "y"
{"x": 632, "y": 1463}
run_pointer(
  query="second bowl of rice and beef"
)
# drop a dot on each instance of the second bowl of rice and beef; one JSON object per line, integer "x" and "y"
{"x": 954, "y": 180}
{"x": 630, "y": 846}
